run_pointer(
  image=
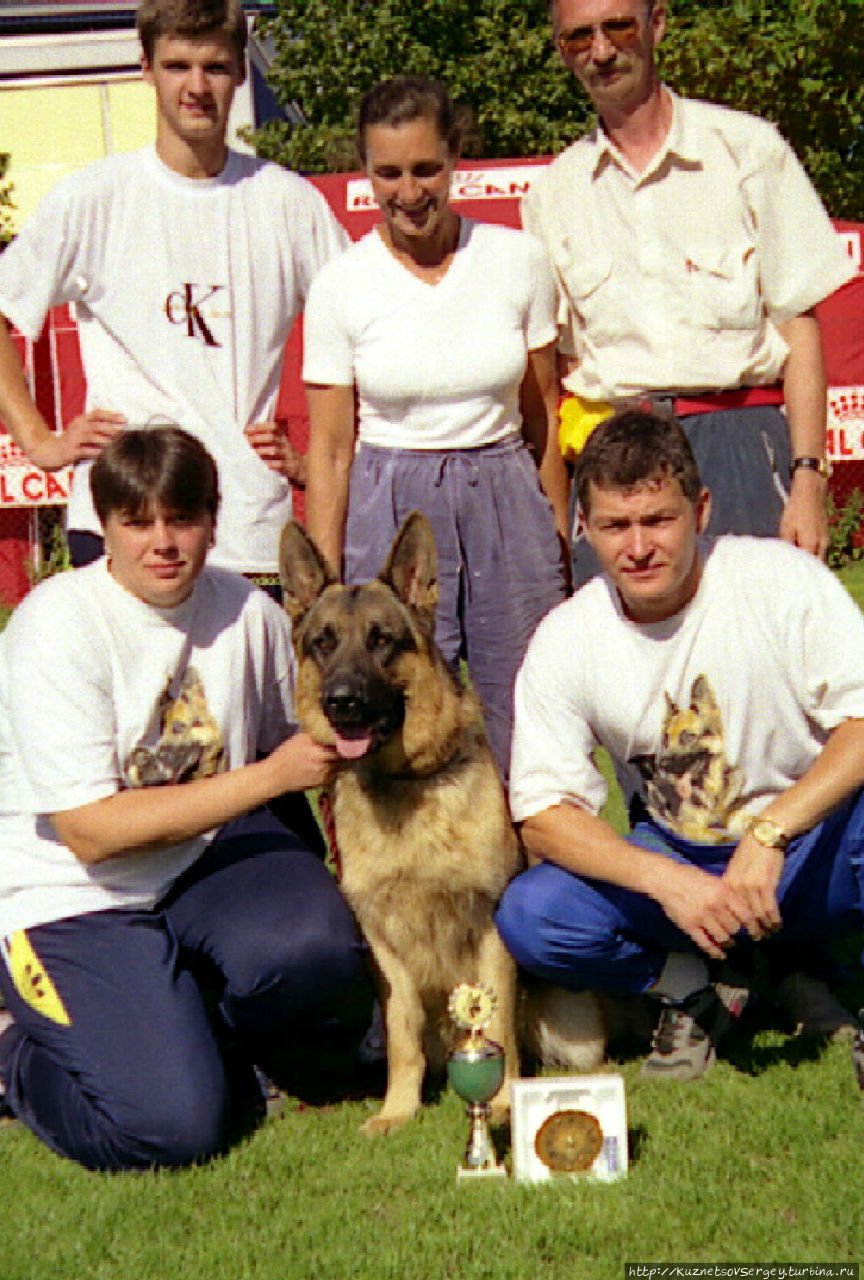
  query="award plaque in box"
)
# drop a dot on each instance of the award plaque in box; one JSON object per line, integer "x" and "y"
{"x": 569, "y": 1126}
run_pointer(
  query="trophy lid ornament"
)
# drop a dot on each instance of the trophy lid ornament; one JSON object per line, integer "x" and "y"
{"x": 472, "y": 1008}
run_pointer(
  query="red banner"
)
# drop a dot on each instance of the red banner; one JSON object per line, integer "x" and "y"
{"x": 489, "y": 191}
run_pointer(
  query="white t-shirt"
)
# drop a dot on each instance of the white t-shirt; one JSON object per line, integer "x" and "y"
{"x": 186, "y": 290}
{"x": 708, "y": 715}
{"x": 99, "y": 692}
{"x": 676, "y": 278}
{"x": 436, "y": 366}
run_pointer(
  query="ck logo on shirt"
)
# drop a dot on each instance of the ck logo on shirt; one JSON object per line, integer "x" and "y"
{"x": 185, "y": 306}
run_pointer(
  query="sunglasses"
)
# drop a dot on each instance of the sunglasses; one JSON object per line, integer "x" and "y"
{"x": 620, "y": 32}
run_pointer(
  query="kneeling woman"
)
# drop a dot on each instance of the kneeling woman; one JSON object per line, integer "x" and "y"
{"x": 445, "y": 329}
{"x": 138, "y": 856}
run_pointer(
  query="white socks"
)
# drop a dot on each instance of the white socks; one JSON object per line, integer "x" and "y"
{"x": 683, "y": 974}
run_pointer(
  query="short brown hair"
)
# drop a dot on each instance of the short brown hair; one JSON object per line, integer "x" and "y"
{"x": 161, "y": 464}
{"x": 405, "y": 98}
{"x": 633, "y": 448}
{"x": 191, "y": 18}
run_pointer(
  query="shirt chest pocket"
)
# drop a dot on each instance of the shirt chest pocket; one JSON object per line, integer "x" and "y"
{"x": 719, "y": 288}
{"x": 586, "y": 272}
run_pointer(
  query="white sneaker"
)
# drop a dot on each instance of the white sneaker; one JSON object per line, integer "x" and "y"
{"x": 682, "y": 1047}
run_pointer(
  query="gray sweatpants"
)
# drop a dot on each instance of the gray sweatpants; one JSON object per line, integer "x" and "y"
{"x": 499, "y": 565}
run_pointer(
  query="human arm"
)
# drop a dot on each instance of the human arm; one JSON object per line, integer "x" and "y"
{"x": 559, "y": 793}
{"x": 835, "y": 774}
{"x": 539, "y": 405}
{"x": 709, "y": 909}
{"x": 142, "y": 818}
{"x": 804, "y": 521}
{"x": 270, "y": 442}
{"x": 329, "y": 461}
{"x": 98, "y": 675}
{"x": 85, "y": 437}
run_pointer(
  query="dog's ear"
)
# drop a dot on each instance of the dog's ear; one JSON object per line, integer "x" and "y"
{"x": 412, "y": 568}
{"x": 303, "y": 571}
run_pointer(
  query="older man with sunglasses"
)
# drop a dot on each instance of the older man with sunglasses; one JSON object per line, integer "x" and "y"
{"x": 690, "y": 249}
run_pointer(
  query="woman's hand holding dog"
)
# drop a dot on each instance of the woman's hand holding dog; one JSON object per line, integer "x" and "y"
{"x": 140, "y": 818}
{"x": 302, "y": 763}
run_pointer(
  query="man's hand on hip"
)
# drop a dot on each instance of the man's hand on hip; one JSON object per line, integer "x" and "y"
{"x": 271, "y": 443}
{"x": 85, "y": 437}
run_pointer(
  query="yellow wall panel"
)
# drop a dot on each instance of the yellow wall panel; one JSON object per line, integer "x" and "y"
{"x": 57, "y": 125}
{"x": 132, "y": 114}
{"x": 50, "y": 131}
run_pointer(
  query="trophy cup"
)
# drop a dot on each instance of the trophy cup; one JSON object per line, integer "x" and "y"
{"x": 475, "y": 1069}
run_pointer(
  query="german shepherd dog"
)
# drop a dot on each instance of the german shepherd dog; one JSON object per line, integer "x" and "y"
{"x": 421, "y": 819}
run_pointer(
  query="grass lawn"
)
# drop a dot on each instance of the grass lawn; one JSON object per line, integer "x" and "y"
{"x": 758, "y": 1163}
{"x": 852, "y": 576}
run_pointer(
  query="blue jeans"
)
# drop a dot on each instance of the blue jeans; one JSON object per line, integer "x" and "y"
{"x": 582, "y": 933}
{"x": 147, "y": 1070}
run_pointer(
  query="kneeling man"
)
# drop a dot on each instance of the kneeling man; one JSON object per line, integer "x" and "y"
{"x": 160, "y": 931}
{"x": 726, "y": 681}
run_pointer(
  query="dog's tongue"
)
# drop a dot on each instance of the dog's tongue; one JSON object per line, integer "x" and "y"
{"x": 353, "y": 745}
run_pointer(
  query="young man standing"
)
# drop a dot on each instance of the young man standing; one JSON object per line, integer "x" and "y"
{"x": 161, "y": 930}
{"x": 188, "y": 263}
{"x": 724, "y": 679}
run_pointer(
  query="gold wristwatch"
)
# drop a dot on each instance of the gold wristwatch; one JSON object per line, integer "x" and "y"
{"x": 769, "y": 833}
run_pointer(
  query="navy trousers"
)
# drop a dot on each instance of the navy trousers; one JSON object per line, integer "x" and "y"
{"x": 582, "y": 933}
{"x": 147, "y": 1056}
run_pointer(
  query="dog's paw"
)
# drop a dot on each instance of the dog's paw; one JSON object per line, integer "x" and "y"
{"x": 377, "y": 1126}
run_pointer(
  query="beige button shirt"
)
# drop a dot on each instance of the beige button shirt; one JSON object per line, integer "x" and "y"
{"x": 676, "y": 278}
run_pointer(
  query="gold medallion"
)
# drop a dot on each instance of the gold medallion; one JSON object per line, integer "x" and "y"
{"x": 569, "y": 1141}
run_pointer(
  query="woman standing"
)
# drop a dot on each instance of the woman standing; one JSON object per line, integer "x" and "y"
{"x": 444, "y": 329}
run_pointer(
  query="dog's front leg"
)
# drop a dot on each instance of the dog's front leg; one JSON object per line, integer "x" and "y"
{"x": 496, "y": 970}
{"x": 404, "y": 1015}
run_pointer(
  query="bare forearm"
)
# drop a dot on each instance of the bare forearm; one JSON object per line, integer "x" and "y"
{"x": 84, "y": 437}
{"x": 22, "y": 419}
{"x": 327, "y": 506}
{"x": 708, "y": 908}
{"x": 804, "y": 521}
{"x": 147, "y": 818}
{"x": 328, "y": 467}
{"x": 556, "y": 486}
{"x": 539, "y": 405}
{"x": 159, "y": 817}
{"x": 587, "y": 846}
{"x": 805, "y": 386}
{"x": 835, "y": 775}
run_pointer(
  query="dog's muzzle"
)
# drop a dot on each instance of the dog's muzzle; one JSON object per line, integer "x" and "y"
{"x": 362, "y": 713}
